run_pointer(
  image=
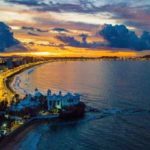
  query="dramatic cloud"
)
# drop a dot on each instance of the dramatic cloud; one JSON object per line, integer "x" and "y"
{"x": 33, "y": 29}
{"x": 119, "y": 36}
{"x": 33, "y": 34}
{"x": 77, "y": 23}
{"x": 145, "y": 40}
{"x": 25, "y": 2}
{"x": 55, "y": 5}
{"x": 60, "y": 30}
{"x": 71, "y": 41}
{"x": 6, "y": 37}
{"x": 133, "y": 13}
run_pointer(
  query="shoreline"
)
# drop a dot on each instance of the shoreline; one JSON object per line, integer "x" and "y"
{"x": 8, "y": 76}
{"x": 7, "y": 84}
{"x": 30, "y": 122}
{"x": 7, "y": 142}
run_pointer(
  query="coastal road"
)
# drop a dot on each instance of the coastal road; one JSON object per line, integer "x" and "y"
{"x": 5, "y": 78}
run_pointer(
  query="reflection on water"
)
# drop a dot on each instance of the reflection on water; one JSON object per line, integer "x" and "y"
{"x": 119, "y": 89}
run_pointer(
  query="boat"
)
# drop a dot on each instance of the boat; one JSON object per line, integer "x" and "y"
{"x": 73, "y": 112}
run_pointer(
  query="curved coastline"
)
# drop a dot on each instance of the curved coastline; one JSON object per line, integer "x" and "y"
{"x": 8, "y": 76}
{"x": 8, "y": 142}
{"x": 6, "y": 84}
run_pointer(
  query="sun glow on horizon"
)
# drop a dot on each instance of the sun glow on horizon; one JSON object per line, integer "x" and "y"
{"x": 74, "y": 52}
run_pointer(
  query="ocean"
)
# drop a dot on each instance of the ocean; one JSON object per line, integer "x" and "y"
{"x": 119, "y": 90}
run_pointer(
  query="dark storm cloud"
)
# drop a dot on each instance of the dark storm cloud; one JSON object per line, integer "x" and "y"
{"x": 6, "y": 37}
{"x": 33, "y": 29}
{"x": 60, "y": 30}
{"x": 119, "y": 36}
{"x": 33, "y": 34}
{"x": 71, "y": 41}
{"x": 25, "y": 2}
{"x": 135, "y": 14}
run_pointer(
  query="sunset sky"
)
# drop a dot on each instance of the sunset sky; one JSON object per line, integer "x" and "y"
{"x": 47, "y": 25}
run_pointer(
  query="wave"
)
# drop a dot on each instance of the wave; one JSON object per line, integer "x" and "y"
{"x": 26, "y": 144}
{"x": 101, "y": 114}
{"x": 30, "y": 70}
{"x": 17, "y": 85}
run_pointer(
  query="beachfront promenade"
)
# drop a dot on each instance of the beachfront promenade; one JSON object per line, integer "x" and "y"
{"x": 6, "y": 92}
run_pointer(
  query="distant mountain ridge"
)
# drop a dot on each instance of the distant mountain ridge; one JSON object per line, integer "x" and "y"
{"x": 7, "y": 39}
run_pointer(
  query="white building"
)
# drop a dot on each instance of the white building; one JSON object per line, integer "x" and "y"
{"x": 37, "y": 94}
{"x": 59, "y": 101}
{"x": 25, "y": 103}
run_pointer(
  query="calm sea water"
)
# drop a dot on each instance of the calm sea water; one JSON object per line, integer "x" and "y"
{"x": 120, "y": 90}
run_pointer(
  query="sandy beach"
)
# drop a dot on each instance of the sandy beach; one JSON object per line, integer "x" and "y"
{"x": 6, "y": 77}
{"x": 7, "y": 93}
